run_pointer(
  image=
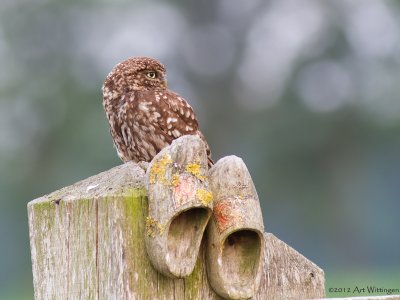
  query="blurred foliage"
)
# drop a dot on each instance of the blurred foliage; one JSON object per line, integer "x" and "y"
{"x": 305, "y": 91}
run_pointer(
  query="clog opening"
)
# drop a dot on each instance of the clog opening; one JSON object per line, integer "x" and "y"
{"x": 184, "y": 238}
{"x": 241, "y": 258}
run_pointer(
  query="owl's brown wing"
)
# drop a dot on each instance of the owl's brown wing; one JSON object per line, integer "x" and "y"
{"x": 185, "y": 121}
{"x": 161, "y": 113}
{"x": 143, "y": 118}
{"x": 189, "y": 123}
{"x": 150, "y": 120}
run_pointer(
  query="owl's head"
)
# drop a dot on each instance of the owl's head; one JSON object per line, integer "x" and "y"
{"x": 136, "y": 74}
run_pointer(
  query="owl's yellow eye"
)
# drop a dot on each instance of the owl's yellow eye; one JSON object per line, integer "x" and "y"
{"x": 151, "y": 74}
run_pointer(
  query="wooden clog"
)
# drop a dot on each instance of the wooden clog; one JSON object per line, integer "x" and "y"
{"x": 235, "y": 233}
{"x": 180, "y": 205}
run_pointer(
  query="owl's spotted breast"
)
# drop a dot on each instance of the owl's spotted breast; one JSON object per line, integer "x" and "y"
{"x": 145, "y": 117}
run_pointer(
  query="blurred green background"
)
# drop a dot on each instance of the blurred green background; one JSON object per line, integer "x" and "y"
{"x": 307, "y": 92}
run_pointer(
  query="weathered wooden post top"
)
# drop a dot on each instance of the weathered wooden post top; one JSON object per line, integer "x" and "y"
{"x": 170, "y": 230}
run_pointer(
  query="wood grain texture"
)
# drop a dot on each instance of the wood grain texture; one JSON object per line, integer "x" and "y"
{"x": 87, "y": 242}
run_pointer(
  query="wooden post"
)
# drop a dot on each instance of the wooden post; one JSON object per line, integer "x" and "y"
{"x": 87, "y": 242}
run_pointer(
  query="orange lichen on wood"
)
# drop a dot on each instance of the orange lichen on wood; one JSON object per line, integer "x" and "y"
{"x": 185, "y": 190}
{"x": 225, "y": 216}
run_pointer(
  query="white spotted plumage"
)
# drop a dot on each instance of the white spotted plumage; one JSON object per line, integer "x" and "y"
{"x": 144, "y": 116}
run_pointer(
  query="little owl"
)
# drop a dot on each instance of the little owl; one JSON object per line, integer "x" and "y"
{"x": 145, "y": 116}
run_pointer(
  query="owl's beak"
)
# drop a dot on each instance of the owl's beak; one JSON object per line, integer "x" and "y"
{"x": 165, "y": 83}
